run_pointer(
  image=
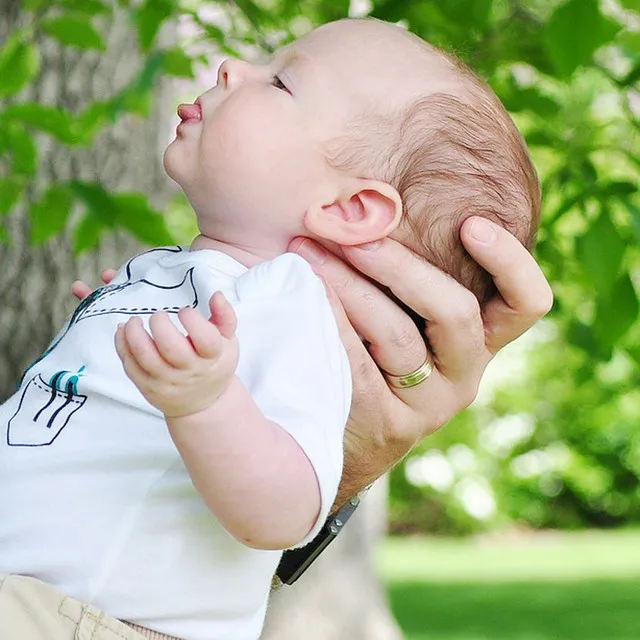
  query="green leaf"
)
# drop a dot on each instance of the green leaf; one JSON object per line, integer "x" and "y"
{"x": 49, "y": 216}
{"x": 631, "y": 5}
{"x": 135, "y": 214}
{"x": 74, "y": 31}
{"x": 135, "y": 98}
{"x": 530, "y": 99}
{"x": 10, "y": 191}
{"x": 540, "y": 138}
{"x": 574, "y": 32}
{"x": 51, "y": 120}
{"x": 583, "y": 336}
{"x": 33, "y": 5}
{"x": 87, "y": 233}
{"x": 21, "y": 147}
{"x": 618, "y": 189}
{"x": 254, "y": 13}
{"x": 600, "y": 250}
{"x": 565, "y": 205}
{"x": 632, "y": 77}
{"x": 634, "y": 212}
{"x": 149, "y": 18}
{"x": 518, "y": 42}
{"x": 333, "y": 10}
{"x": 214, "y": 33}
{"x": 629, "y": 40}
{"x": 616, "y": 312}
{"x": 19, "y": 64}
{"x": 92, "y": 120}
{"x": 471, "y": 14}
{"x": 87, "y": 7}
{"x": 177, "y": 63}
{"x": 634, "y": 352}
{"x": 98, "y": 200}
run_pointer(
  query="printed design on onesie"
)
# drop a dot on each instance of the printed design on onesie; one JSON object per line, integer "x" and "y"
{"x": 110, "y": 299}
{"x": 47, "y": 406}
{"x": 50, "y": 405}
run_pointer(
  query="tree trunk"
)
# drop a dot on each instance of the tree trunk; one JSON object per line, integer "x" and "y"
{"x": 35, "y": 282}
{"x": 340, "y": 596}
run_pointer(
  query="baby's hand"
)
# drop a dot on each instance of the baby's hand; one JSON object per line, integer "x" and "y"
{"x": 181, "y": 375}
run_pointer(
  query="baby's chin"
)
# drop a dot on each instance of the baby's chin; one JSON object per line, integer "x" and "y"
{"x": 172, "y": 163}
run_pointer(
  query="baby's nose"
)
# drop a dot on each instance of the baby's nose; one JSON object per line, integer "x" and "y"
{"x": 233, "y": 73}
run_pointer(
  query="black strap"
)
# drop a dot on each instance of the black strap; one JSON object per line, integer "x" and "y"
{"x": 296, "y": 561}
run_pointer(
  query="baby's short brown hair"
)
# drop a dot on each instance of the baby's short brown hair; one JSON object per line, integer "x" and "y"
{"x": 459, "y": 156}
{"x": 451, "y": 156}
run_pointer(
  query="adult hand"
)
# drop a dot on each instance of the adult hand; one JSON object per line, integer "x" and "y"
{"x": 385, "y": 422}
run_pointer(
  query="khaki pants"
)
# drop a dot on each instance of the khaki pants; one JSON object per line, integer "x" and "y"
{"x": 33, "y": 610}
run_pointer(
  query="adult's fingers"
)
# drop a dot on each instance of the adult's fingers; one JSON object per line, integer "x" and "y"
{"x": 394, "y": 341}
{"x": 525, "y": 294}
{"x": 454, "y": 324}
{"x": 365, "y": 372}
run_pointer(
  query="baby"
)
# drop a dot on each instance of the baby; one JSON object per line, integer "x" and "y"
{"x": 160, "y": 483}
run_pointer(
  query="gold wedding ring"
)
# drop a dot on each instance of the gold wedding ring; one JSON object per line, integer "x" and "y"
{"x": 411, "y": 379}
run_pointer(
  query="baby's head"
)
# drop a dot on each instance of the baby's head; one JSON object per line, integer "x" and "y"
{"x": 357, "y": 131}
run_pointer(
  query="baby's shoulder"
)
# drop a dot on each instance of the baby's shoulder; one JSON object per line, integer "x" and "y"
{"x": 285, "y": 274}
{"x": 152, "y": 258}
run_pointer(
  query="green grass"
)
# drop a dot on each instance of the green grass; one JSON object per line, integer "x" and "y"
{"x": 582, "y": 586}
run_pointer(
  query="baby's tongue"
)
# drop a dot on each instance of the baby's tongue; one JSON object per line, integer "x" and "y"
{"x": 189, "y": 112}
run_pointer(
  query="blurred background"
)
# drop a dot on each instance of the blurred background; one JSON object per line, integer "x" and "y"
{"x": 519, "y": 520}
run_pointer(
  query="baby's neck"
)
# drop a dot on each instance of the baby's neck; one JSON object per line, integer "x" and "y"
{"x": 247, "y": 256}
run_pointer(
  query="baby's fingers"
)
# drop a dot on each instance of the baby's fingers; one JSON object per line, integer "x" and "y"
{"x": 80, "y": 289}
{"x": 142, "y": 347}
{"x": 223, "y": 315}
{"x": 205, "y": 337}
{"x": 107, "y": 275}
{"x": 135, "y": 372}
{"x": 171, "y": 344}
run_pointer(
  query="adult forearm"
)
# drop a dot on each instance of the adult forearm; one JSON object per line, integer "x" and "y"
{"x": 249, "y": 471}
{"x": 368, "y": 458}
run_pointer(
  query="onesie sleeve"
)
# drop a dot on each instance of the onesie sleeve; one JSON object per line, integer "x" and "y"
{"x": 294, "y": 365}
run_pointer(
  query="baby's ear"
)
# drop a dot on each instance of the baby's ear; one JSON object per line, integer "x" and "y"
{"x": 367, "y": 210}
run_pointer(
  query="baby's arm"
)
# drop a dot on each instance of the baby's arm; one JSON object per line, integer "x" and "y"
{"x": 249, "y": 471}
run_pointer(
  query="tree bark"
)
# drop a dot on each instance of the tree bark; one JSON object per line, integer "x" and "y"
{"x": 35, "y": 282}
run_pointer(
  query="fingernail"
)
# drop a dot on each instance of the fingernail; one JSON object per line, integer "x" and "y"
{"x": 482, "y": 230}
{"x": 311, "y": 252}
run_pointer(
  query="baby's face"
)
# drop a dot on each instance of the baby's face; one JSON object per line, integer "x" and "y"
{"x": 255, "y": 160}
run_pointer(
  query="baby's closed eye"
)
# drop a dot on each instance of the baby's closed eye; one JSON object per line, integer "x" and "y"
{"x": 278, "y": 84}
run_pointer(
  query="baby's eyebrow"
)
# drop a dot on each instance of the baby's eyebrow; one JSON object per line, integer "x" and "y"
{"x": 292, "y": 57}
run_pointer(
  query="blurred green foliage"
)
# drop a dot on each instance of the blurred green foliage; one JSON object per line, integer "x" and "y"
{"x": 569, "y": 72}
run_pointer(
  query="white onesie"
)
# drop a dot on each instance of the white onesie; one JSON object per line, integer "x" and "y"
{"x": 95, "y": 498}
